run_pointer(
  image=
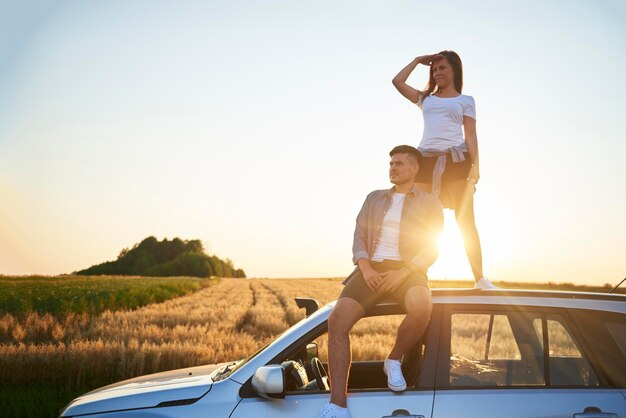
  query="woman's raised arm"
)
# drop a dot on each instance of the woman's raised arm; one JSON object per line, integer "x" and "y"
{"x": 399, "y": 81}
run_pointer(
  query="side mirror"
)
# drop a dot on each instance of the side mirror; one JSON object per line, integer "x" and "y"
{"x": 269, "y": 381}
{"x": 310, "y": 305}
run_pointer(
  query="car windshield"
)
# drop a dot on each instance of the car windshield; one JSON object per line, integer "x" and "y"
{"x": 232, "y": 367}
{"x": 230, "y": 370}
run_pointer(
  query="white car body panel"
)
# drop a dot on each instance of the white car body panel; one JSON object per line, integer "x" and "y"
{"x": 366, "y": 404}
{"x": 525, "y": 403}
{"x": 146, "y": 391}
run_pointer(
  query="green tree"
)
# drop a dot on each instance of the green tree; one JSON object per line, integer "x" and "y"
{"x": 177, "y": 257}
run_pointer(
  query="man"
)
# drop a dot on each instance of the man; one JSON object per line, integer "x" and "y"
{"x": 394, "y": 245}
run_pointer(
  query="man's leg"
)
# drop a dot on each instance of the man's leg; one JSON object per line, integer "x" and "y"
{"x": 418, "y": 306}
{"x": 346, "y": 313}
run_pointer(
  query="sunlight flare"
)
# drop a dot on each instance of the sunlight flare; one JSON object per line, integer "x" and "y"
{"x": 452, "y": 262}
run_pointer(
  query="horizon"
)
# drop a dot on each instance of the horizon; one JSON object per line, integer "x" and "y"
{"x": 614, "y": 286}
{"x": 260, "y": 128}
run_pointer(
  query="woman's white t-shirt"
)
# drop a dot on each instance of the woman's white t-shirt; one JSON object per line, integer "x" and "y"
{"x": 443, "y": 120}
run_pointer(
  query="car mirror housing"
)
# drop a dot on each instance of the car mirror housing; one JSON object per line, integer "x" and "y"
{"x": 310, "y": 305}
{"x": 269, "y": 381}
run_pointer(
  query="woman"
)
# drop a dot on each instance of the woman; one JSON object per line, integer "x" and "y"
{"x": 449, "y": 167}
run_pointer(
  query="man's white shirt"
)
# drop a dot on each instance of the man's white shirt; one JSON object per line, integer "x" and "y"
{"x": 387, "y": 246}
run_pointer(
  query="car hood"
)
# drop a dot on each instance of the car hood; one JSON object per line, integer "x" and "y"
{"x": 169, "y": 388}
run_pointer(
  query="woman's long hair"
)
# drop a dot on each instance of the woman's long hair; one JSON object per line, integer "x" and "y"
{"x": 457, "y": 68}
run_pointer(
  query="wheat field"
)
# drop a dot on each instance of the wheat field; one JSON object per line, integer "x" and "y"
{"x": 226, "y": 321}
{"x": 229, "y": 320}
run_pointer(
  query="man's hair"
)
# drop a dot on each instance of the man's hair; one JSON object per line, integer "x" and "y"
{"x": 407, "y": 149}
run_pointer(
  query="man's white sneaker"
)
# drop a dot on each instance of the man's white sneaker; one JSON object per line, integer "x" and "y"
{"x": 484, "y": 284}
{"x": 333, "y": 411}
{"x": 395, "y": 380}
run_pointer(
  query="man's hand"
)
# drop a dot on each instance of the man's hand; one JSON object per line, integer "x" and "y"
{"x": 372, "y": 279}
{"x": 393, "y": 279}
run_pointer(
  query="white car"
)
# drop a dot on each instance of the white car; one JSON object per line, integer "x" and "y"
{"x": 497, "y": 353}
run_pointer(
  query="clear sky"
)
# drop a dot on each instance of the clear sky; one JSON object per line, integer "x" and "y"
{"x": 259, "y": 128}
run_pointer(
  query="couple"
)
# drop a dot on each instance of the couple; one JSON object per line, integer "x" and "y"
{"x": 396, "y": 229}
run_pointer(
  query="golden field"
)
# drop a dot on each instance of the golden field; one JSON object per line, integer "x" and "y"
{"x": 228, "y": 320}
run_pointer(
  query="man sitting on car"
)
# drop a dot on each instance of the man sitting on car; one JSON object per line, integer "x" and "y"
{"x": 394, "y": 245}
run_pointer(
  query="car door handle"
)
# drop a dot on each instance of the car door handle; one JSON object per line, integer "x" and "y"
{"x": 402, "y": 413}
{"x": 594, "y": 412}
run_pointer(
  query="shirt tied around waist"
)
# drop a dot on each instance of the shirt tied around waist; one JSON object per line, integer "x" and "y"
{"x": 456, "y": 153}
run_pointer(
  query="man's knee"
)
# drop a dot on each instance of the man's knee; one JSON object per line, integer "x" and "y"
{"x": 344, "y": 315}
{"x": 418, "y": 304}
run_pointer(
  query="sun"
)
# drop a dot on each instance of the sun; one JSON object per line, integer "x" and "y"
{"x": 452, "y": 262}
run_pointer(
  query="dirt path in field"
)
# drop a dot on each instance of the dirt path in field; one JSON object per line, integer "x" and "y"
{"x": 266, "y": 315}
{"x": 287, "y": 304}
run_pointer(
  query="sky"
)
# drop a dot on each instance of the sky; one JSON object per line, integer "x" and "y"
{"x": 260, "y": 127}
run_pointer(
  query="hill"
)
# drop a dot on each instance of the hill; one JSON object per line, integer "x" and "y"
{"x": 166, "y": 258}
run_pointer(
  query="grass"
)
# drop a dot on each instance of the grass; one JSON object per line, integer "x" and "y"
{"x": 33, "y": 401}
{"x": 84, "y": 346}
{"x": 62, "y": 295}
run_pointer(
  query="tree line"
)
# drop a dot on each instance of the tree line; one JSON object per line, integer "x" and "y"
{"x": 174, "y": 257}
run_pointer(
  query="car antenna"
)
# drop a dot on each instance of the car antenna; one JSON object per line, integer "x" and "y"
{"x": 620, "y": 283}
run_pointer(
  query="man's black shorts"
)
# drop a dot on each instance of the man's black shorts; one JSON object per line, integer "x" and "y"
{"x": 357, "y": 289}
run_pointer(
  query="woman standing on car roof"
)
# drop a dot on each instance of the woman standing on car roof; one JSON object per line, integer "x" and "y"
{"x": 449, "y": 146}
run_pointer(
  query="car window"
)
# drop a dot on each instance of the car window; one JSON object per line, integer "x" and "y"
{"x": 508, "y": 349}
{"x": 371, "y": 340}
{"x": 494, "y": 350}
{"x": 618, "y": 332}
{"x": 604, "y": 333}
{"x": 568, "y": 367}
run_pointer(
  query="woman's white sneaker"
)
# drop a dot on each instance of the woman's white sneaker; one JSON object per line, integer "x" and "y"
{"x": 484, "y": 284}
{"x": 395, "y": 379}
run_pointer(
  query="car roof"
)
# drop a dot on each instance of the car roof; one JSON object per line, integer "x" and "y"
{"x": 462, "y": 292}
{"x": 521, "y": 298}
